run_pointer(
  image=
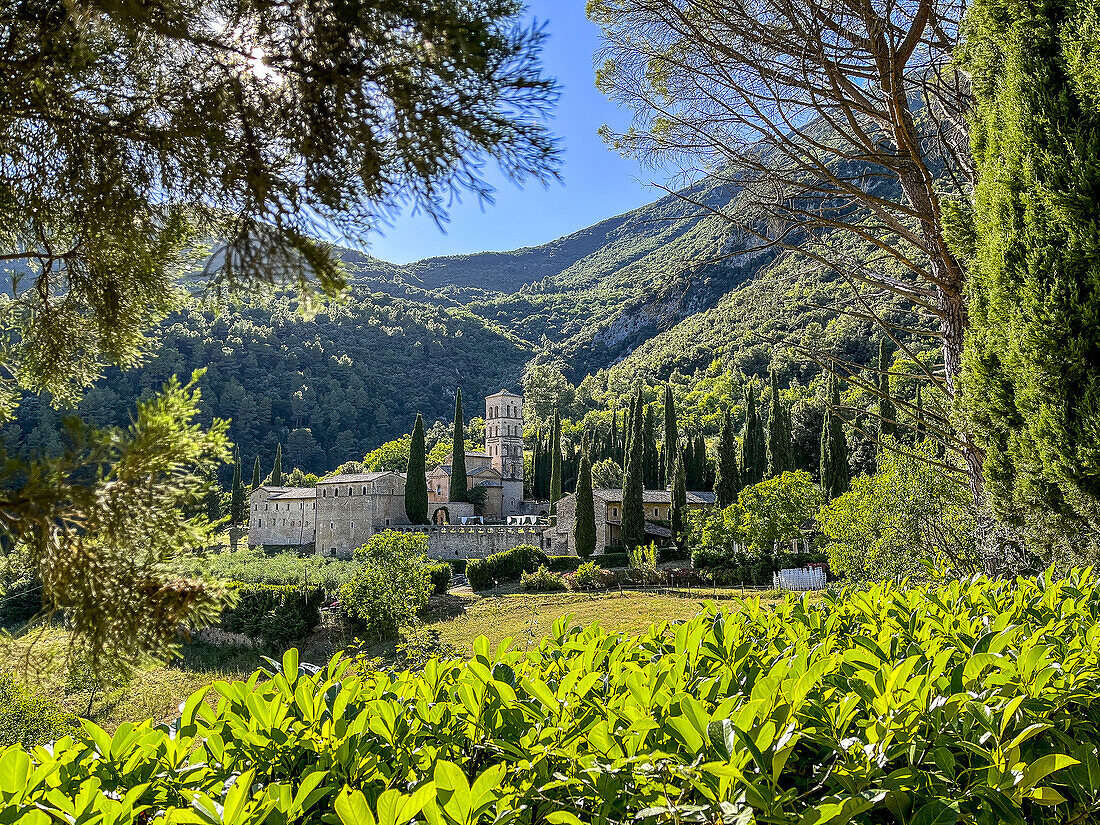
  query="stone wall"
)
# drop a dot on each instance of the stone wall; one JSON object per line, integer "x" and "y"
{"x": 475, "y": 542}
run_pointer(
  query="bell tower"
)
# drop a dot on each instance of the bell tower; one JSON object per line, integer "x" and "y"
{"x": 504, "y": 444}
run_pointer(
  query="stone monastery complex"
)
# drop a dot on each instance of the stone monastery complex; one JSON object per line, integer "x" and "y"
{"x": 342, "y": 512}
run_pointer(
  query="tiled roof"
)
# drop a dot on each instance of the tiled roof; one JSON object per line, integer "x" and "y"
{"x": 655, "y": 496}
{"x": 294, "y": 492}
{"x": 355, "y": 477}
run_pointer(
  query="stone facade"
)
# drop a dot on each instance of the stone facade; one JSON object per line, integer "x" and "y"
{"x": 609, "y": 511}
{"x": 352, "y": 508}
{"x": 504, "y": 445}
{"x": 475, "y": 542}
{"x": 281, "y": 516}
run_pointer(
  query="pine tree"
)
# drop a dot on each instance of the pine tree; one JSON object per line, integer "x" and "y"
{"x": 672, "y": 434}
{"x": 416, "y": 479}
{"x": 584, "y": 527}
{"x": 679, "y": 501}
{"x": 458, "y": 453}
{"x": 727, "y": 482}
{"x": 257, "y": 479}
{"x": 834, "y": 446}
{"x": 754, "y": 458}
{"x": 886, "y": 413}
{"x": 555, "y": 463}
{"x": 236, "y": 491}
{"x": 277, "y": 469}
{"x": 633, "y": 525}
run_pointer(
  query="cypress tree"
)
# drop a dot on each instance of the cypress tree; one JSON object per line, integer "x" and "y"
{"x": 652, "y": 458}
{"x": 727, "y": 481}
{"x": 458, "y": 453}
{"x": 1030, "y": 385}
{"x": 703, "y": 479}
{"x": 920, "y": 428}
{"x": 679, "y": 501}
{"x": 672, "y": 434}
{"x": 754, "y": 458}
{"x": 257, "y": 480}
{"x": 213, "y": 499}
{"x": 555, "y": 463}
{"x": 277, "y": 469}
{"x": 584, "y": 527}
{"x": 633, "y": 529}
{"x": 536, "y": 465}
{"x": 780, "y": 446}
{"x": 416, "y": 479}
{"x": 887, "y": 415}
{"x": 834, "y": 446}
{"x": 236, "y": 491}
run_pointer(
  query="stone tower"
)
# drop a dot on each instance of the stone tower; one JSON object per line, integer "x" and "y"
{"x": 504, "y": 444}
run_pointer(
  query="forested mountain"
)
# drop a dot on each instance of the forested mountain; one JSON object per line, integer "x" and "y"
{"x": 645, "y": 293}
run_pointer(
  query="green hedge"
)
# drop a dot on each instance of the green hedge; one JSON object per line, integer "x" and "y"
{"x": 506, "y": 566}
{"x": 974, "y": 702}
{"x": 564, "y": 564}
{"x": 458, "y": 566}
{"x": 441, "y": 577}
{"x": 28, "y": 718}
{"x": 610, "y": 560}
{"x": 276, "y": 615}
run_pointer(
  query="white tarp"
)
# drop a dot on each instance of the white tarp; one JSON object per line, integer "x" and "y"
{"x": 800, "y": 578}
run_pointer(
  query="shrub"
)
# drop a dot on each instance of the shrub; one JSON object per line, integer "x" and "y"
{"x": 972, "y": 702}
{"x": 506, "y": 566}
{"x": 564, "y": 564}
{"x": 542, "y": 581}
{"x": 441, "y": 577}
{"x": 643, "y": 563}
{"x": 254, "y": 566}
{"x": 589, "y": 576}
{"x": 28, "y": 718}
{"x": 276, "y": 615}
{"x": 610, "y": 560}
{"x": 391, "y": 584}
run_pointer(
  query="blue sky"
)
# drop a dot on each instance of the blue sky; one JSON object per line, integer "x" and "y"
{"x": 596, "y": 182}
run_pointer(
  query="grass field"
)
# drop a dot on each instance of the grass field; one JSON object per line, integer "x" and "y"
{"x": 157, "y": 692}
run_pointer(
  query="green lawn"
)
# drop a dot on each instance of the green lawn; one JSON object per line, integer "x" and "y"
{"x": 157, "y": 692}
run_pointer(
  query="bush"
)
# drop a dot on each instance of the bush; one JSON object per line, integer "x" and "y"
{"x": 441, "y": 577}
{"x": 29, "y": 719}
{"x": 610, "y": 560}
{"x": 276, "y": 615}
{"x": 589, "y": 576}
{"x": 503, "y": 567}
{"x": 253, "y": 566}
{"x": 972, "y": 702}
{"x": 542, "y": 581}
{"x": 391, "y": 584}
{"x": 564, "y": 564}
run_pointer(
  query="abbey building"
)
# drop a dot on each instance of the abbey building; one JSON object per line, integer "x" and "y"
{"x": 342, "y": 512}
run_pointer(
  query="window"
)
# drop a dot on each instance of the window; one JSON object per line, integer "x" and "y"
{"x": 614, "y": 512}
{"x": 259, "y": 522}
{"x": 336, "y": 492}
{"x": 364, "y": 489}
{"x": 332, "y": 525}
{"x": 353, "y": 525}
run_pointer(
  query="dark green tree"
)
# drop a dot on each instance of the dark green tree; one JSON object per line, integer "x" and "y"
{"x": 887, "y": 415}
{"x": 555, "y": 462}
{"x": 236, "y": 492}
{"x": 459, "y": 484}
{"x": 652, "y": 457}
{"x": 633, "y": 524}
{"x": 277, "y": 468}
{"x": 213, "y": 499}
{"x": 727, "y": 482}
{"x": 672, "y": 434}
{"x": 416, "y": 480}
{"x": 679, "y": 501}
{"x": 584, "y": 527}
{"x": 834, "y": 446}
{"x": 780, "y": 447}
{"x": 754, "y": 450}
{"x": 703, "y": 471}
{"x": 257, "y": 479}
{"x": 1031, "y": 385}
